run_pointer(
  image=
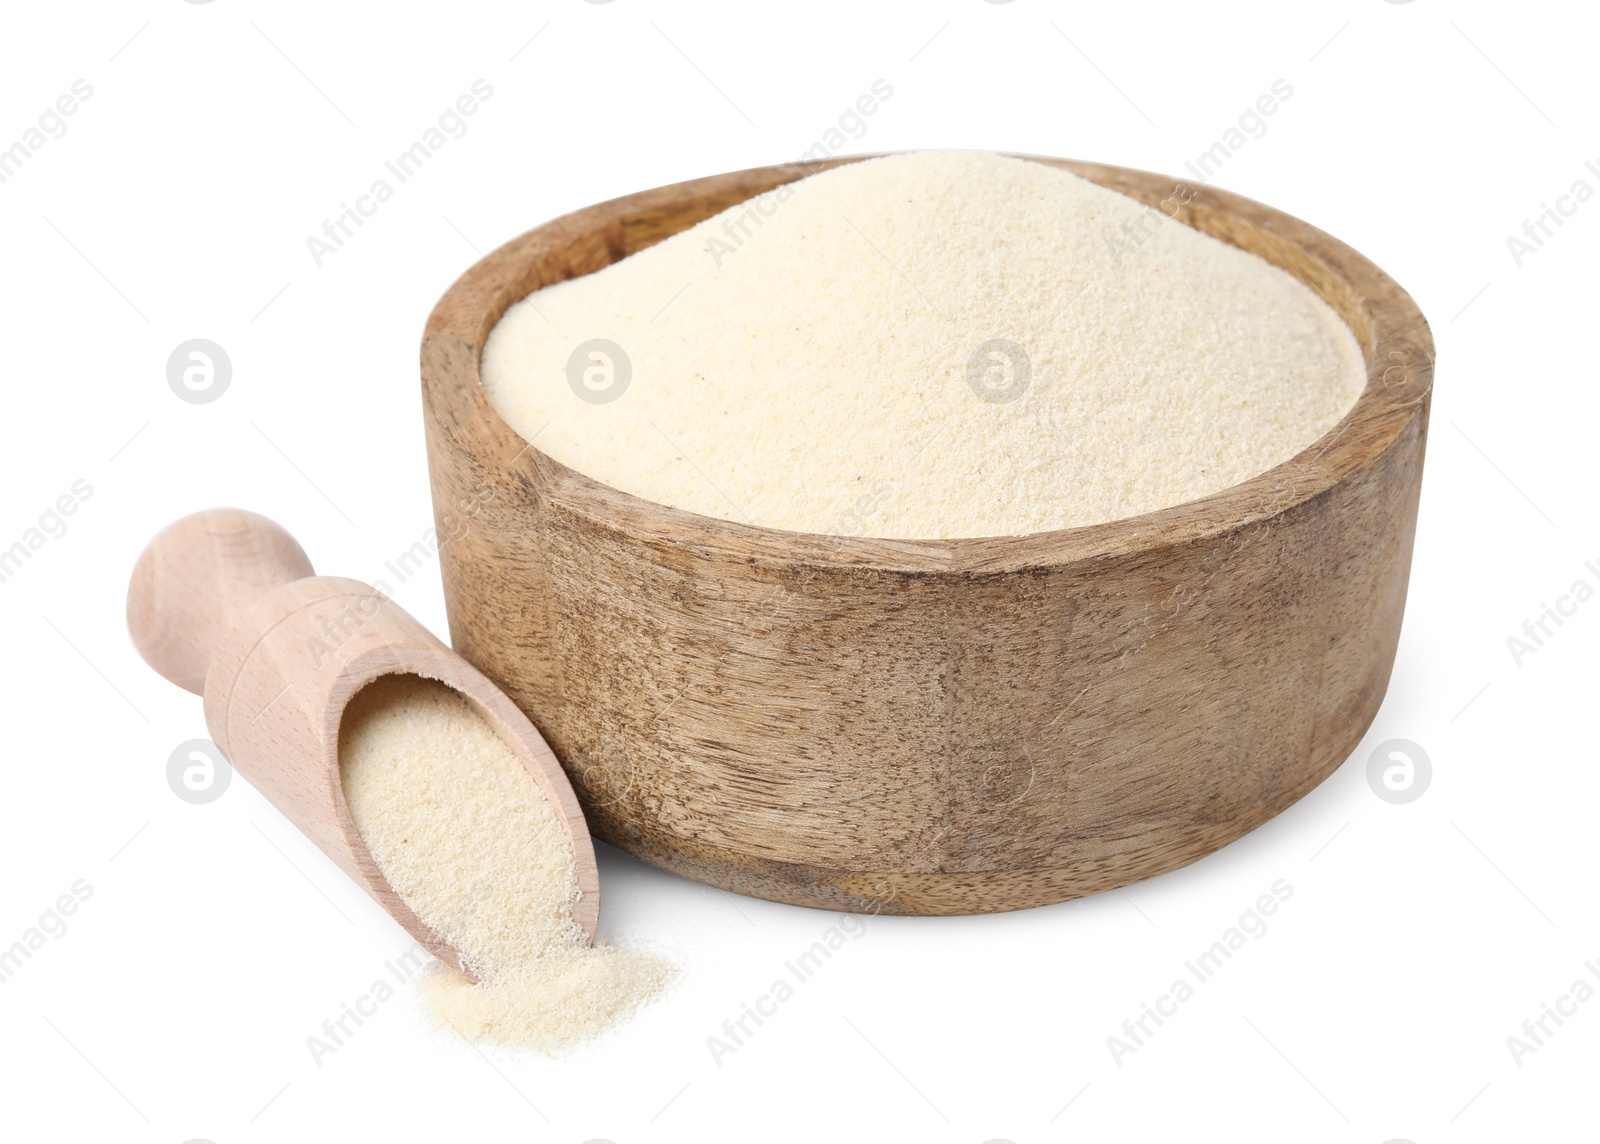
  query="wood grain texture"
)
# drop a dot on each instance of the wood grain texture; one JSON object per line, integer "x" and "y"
{"x": 932, "y": 727}
{"x": 190, "y": 583}
{"x": 291, "y": 650}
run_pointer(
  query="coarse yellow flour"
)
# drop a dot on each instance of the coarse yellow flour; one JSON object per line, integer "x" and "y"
{"x": 468, "y": 841}
{"x": 929, "y": 345}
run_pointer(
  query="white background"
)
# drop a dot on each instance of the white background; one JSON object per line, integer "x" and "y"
{"x": 219, "y": 137}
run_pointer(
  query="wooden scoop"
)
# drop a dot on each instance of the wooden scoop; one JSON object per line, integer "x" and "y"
{"x": 225, "y": 604}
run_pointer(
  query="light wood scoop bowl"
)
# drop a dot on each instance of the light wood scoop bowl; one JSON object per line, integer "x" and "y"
{"x": 933, "y": 726}
{"x": 225, "y": 604}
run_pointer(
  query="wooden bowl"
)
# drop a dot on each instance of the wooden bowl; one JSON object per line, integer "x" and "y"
{"x": 932, "y": 727}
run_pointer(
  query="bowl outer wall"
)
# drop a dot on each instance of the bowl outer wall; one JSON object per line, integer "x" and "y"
{"x": 932, "y": 726}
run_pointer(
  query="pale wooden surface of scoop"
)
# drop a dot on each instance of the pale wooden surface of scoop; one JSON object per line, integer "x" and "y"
{"x": 224, "y": 603}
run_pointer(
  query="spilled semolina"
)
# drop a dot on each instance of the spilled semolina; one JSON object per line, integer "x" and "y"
{"x": 469, "y": 842}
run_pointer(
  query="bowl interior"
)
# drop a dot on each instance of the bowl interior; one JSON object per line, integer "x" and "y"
{"x": 1388, "y": 326}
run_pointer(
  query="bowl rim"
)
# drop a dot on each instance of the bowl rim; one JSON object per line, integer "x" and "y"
{"x": 1390, "y": 329}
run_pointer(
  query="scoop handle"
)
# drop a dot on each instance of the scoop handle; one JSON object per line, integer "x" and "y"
{"x": 194, "y": 579}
